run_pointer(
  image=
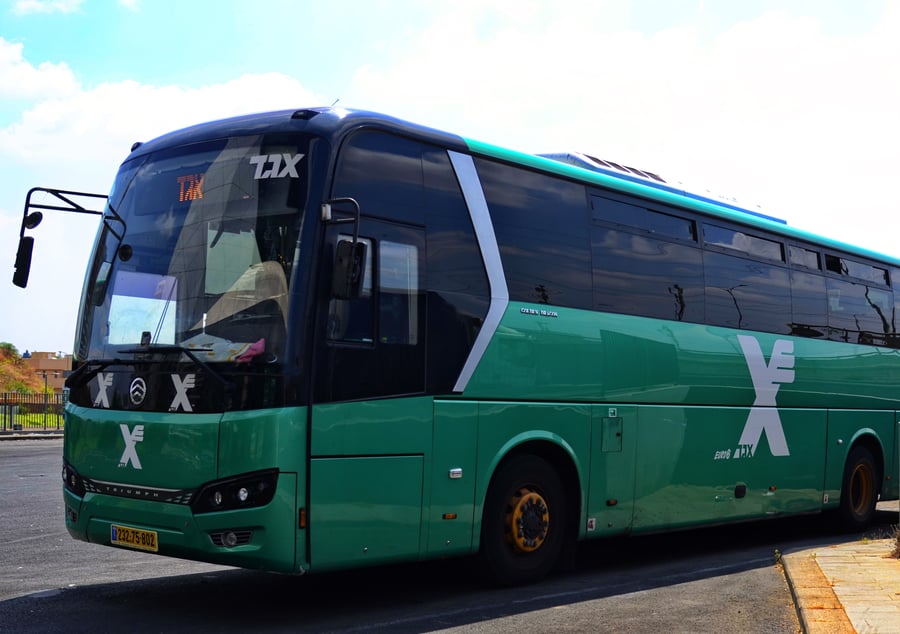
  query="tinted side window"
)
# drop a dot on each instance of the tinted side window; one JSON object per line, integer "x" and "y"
{"x": 541, "y": 224}
{"x": 740, "y": 241}
{"x": 860, "y": 270}
{"x": 743, "y": 293}
{"x": 454, "y": 260}
{"x": 806, "y": 258}
{"x": 641, "y": 275}
{"x": 383, "y": 173}
{"x": 859, "y": 313}
{"x": 809, "y": 307}
{"x": 631, "y": 215}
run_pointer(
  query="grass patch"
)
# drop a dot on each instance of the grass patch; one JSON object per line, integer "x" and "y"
{"x": 896, "y": 537}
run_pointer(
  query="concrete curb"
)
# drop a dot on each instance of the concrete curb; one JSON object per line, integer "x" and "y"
{"x": 819, "y": 609}
{"x": 31, "y": 435}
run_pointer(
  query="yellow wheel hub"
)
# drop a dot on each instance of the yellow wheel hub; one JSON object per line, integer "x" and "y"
{"x": 527, "y": 520}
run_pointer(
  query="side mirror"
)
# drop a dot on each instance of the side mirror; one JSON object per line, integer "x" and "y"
{"x": 23, "y": 261}
{"x": 349, "y": 269}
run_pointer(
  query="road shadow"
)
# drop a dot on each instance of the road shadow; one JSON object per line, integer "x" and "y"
{"x": 412, "y": 597}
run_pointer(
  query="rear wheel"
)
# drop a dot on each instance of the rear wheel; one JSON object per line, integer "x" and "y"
{"x": 524, "y": 523}
{"x": 859, "y": 489}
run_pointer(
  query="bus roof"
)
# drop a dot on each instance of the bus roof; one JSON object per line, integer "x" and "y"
{"x": 332, "y": 122}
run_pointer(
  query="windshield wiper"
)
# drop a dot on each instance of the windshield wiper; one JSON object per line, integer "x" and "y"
{"x": 81, "y": 376}
{"x": 163, "y": 348}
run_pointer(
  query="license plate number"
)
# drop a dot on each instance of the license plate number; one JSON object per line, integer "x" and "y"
{"x": 133, "y": 538}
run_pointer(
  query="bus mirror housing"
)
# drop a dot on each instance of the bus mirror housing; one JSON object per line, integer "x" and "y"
{"x": 349, "y": 265}
{"x": 26, "y": 248}
{"x": 23, "y": 261}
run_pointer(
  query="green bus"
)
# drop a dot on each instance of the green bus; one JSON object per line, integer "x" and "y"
{"x": 320, "y": 339}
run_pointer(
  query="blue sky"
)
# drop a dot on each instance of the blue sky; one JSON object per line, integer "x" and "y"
{"x": 791, "y": 104}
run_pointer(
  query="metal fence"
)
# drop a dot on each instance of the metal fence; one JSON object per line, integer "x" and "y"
{"x": 31, "y": 412}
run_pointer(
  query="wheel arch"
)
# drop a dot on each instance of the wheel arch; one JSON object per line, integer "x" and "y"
{"x": 555, "y": 451}
{"x": 868, "y": 438}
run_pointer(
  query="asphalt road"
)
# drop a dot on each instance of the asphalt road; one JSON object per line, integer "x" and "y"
{"x": 711, "y": 580}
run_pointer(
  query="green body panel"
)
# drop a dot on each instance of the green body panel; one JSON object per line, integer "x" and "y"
{"x": 183, "y": 534}
{"x": 176, "y": 451}
{"x": 689, "y": 466}
{"x": 364, "y": 510}
{"x": 451, "y": 513}
{"x": 262, "y": 439}
{"x": 578, "y": 355}
{"x": 610, "y": 504}
{"x": 390, "y": 426}
{"x": 185, "y": 451}
{"x": 367, "y": 479}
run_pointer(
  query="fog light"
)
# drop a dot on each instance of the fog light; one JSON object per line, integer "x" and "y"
{"x": 243, "y": 494}
{"x": 229, "y": 539}
{"x": 217, "y": 498}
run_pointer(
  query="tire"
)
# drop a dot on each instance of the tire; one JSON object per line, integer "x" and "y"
{"x": 859, "y": 489}
{"x": 523, "y": 526}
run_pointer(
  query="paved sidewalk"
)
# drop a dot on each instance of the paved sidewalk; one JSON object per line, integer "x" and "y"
{"x": 38, "y": 434}
{"x": 853, "y": 587}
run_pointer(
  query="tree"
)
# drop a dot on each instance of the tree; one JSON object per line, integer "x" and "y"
{"x": 15, "y": 375}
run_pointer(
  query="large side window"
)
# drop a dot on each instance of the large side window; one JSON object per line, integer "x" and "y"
{"x": 541, "y": 224}
{"x": 745, "y": 293}
{"x": 383, "y": 172}
{"x": 642, "y": 275}
{"x": 858, "y": 310}
{"x": 859, "y": 313}
{"x": 645, "y": 262}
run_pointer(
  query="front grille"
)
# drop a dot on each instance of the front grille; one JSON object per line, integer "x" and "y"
{"x": 171, "y": 496}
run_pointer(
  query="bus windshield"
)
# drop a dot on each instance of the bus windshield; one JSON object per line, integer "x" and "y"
{"x": 196, "y": 250}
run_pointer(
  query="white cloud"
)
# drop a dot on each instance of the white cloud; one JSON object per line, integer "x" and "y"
{"x": 21, "y": 80}
{"x": 100, "y": 124}
{"x": 24, "y": 7}
{"x": 770, "y": 110}
{"x": 76, "y": 142}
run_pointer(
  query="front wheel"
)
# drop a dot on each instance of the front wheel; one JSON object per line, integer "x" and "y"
{"x": 859, "y": 489}
{"x": 524, "y": 522}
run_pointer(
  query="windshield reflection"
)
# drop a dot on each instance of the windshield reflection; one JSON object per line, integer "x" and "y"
{"x": 205, "y": 262}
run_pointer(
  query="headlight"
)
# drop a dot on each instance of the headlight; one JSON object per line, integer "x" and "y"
{"x": 71, "y": 480}
{"x": 240, "y": 492}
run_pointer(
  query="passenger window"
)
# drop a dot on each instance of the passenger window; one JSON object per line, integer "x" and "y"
{"x": 859, "y": 313}
{"x": 805, "y": 257}
{"x": 744, "y": 242}
{"x": 744, "y": 293}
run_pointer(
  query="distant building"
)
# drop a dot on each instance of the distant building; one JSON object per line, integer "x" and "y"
{"x": 54, "y": 366}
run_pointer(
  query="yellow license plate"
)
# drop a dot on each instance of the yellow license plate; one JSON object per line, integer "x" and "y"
{"x": 133, "y": 538}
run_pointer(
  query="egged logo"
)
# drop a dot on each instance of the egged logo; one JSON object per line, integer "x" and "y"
{"x": 132, "y": 438}
{"x": 767, "y": 379}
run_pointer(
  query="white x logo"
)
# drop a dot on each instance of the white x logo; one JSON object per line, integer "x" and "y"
{"x": 132, "y": 438}
{"x": 181, "y": 388}
{"x": 104, "y": 380}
